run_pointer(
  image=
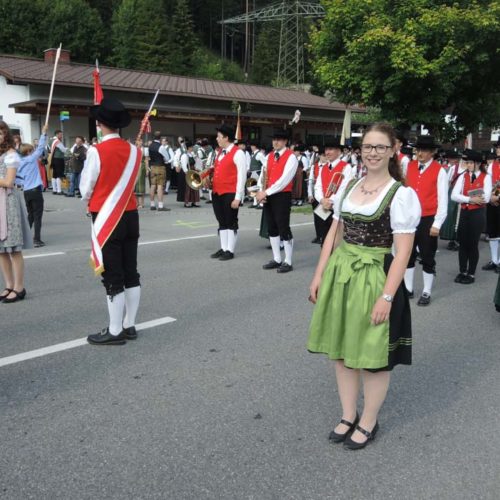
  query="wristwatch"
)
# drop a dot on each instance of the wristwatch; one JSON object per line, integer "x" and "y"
{"x": 387, "y": 297}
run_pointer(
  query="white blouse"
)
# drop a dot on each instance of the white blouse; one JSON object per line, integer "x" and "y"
{"x": 457, "y": 196}
{"x": 12, "y": 160}
{"x": 405, "y": 209}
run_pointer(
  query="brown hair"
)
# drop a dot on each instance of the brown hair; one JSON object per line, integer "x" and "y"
{"x": 25, "y": 149}
{"x": 387, "y": 129}
{"x": 8, "y": 141}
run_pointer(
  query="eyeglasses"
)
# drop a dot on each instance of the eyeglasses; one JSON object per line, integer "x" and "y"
{"x": 379, "y": 148}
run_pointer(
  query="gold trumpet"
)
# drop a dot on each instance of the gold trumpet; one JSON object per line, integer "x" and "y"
{"x": 251, "y": 187}
{"x": 196, "y": 180}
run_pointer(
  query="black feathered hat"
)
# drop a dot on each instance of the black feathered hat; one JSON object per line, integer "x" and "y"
{"x": 426, "y": 143}
{"x": 333, "y": 143}
{"x": 471, "y": 155}
{"x": 111, "y": 113}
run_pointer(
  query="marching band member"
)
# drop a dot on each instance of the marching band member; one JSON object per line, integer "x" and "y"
{"x": 257, "y": 159}
{"x": 449, "y": 229}
{"x": 158, "y": 172}
{"x": 57, "y": 152}
{"x": 322, "y": 189}
{"x": 298, "y": 180}
{"x": 493, "y": 214}
{"x": 275, "y": 184}
{"x": 430, "y": 181}
{"x": 472, "y": 190}
{"x": 109, "y": 175}
{"x": 229, "y": 177}
{"x": 188, "y": 162}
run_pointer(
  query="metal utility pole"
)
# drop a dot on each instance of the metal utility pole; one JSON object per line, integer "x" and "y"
{"x": 291, "y": 14}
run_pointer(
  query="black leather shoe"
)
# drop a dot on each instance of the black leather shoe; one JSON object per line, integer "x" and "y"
{"x": 18, "y": 296}
{"x": 227, "y": 255}
{"x": 410, "y": 294}
{"x": 130, "y": 333}
{"x": 285, "y": 268}
{"x": 349, "y": 444}
{"x": 467, "y": 280}
{"x": 489, "y": 267}
{"x": 217, "y": 254}
{"x": 163, "y": 209}
{"x": 335, "y": 437}
{"x": 105, "y": 338}
{"x": 272, "y": 264}
{"x": 38, "y": 243}
{"x": 152, "y": 208}
{"x": 459, "y": 277}
{"x": 4, "y": 295}
{"x": 424, "y": 300}
{"x": 316, "y": 240}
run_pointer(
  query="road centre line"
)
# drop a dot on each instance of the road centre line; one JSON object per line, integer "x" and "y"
{"x": 64, "y": 346}
{"x": 43, "y": 255}
{"x": 156, "y": 242}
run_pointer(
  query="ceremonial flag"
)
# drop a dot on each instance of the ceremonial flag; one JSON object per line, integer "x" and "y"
{"x": 345, "y": 139}
{"x": 98, "y": 95}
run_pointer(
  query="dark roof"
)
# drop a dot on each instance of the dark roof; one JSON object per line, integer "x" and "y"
{"x": 30, "y": 70}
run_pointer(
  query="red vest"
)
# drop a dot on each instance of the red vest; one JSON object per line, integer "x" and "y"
{"x": 225, "y": 173}
{"x": 469, "y": 186}
{"x": 316, "y": 171}
{"x": 425, "y": 185}
{"x": 327, "y": 174}
{"x": 114, "y": 154}
{"x": 401, "y": 156}
{"x": 495, "y": 172}
{"x": 275, "y": 169}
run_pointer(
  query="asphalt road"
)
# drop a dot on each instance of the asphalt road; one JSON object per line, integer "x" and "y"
{"x": 225, "y": 402}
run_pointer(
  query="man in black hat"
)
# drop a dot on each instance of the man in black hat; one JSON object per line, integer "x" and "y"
{"x": 428, "y": 178}
{"x": 158, "y": 173}
{"x": 275, "y": 183}
{"x": 228, "y": 189}
{"x": 107, "y": 184}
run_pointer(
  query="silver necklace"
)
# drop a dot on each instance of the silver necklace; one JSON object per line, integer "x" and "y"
{"x": 369, "y": 192}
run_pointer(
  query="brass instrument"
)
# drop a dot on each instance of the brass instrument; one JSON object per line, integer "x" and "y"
{"x": 251, "y": 187}
{"x": 335, "y": 183}
{"x": 196, "y": 180}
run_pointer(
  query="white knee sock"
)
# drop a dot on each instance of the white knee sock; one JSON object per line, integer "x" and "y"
{"x": 275, "y": 245}
{"x": 428, "y": 280}
{"x": 132, "y": 299}
{"x": 409, "y": 275}
{"x": 54, "y": 185}
{"x": 494, "y": 251}
{"x": 232, "y": 237}
{"x": 210, "y": 194}
{"x": 167, "y": 186}
{"x": 288, "y": 251}
{"x": 223, "y": 235}
{"x": 116, "y": 307}
{"x": 58, "y": 181}
{"x": 160, "y": 204}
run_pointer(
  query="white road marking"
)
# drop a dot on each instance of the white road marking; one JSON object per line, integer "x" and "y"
{"x": 156, "y": 242}
{"x": 64, "y": 346}
{"x": 43, "y": 255}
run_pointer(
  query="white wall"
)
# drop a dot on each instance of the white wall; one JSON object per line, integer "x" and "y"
{"x": 11, "y": 94}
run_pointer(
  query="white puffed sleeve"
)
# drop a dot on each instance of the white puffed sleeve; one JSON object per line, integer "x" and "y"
{"x": 405, "y": 211}
{"x": 337, "y": 198}
{"x": 12, "y": 160}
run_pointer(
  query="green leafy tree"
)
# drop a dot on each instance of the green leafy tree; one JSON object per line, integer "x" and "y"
{"x": 183, "y": 58}
{"x": 265, "y": 64}
{"x": 74, "y": 24}
{"x": 139, "y": 36}
{"x": 417, "y": 61}
{"x": 19, "y": 28}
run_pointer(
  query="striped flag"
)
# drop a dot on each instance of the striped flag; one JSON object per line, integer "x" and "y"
{"x": 98, "y": 95}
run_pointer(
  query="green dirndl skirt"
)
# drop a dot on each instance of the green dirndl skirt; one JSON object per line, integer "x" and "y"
{"x": 340, "y": 327}
{"x": 263, "y": 231}
{"x": 449, "y": 227}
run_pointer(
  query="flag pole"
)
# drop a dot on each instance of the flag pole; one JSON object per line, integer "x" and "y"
{"x": 146, "y": 117}
{"x": 58, "y": 54}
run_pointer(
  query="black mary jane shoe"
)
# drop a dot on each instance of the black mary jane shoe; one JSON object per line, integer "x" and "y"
{"x": 349, "y": 444}
{"x": 18, "y": 296}
{"x": 130, "y": 333}
{"x": 105, "y": 338}
{"x": 217, "y": 254}
{"x": 335, "y": 437}
{"x": 3, "y": 297}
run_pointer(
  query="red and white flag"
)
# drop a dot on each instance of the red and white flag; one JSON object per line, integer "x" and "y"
{"x": 98, "y": 94}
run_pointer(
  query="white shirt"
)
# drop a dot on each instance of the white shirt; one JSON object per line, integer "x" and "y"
{"x": 286, "y": 177}
{"x": 311, "y": 180}
{"x": 442, "y": 194}
{"x": 60, "y": 146}
{"x": 165, "y": 152}
{"x": 405, "y": 208}
{"x": 241, "y": 166}
{"x": 248, "y": 159}
{"x": 184, "y": 161}
{"x": 451, "y": 171}
{"x": 92, "y": 169}
{"x": 456, "y": 194}
{"x": 318, "y": 187}
{"x": 305, "y": 162}
{"x": 404, "y": 164}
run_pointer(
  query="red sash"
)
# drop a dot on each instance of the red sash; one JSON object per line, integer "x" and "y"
{"x": 112, "y": 209}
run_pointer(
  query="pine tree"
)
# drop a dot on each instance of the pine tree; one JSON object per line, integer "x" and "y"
{"x": 139, "y": 36}
{"x": 183, "y": 58}
{"x": 265, "y": 64}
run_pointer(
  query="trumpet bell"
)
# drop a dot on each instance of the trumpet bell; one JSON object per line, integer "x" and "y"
{"x": 251, "y": 186}
{"x": 194, "y": 180}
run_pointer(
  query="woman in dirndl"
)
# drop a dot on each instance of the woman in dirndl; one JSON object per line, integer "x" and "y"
{"x": 362, "y": 314}
{"x": 15, "y": 234}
